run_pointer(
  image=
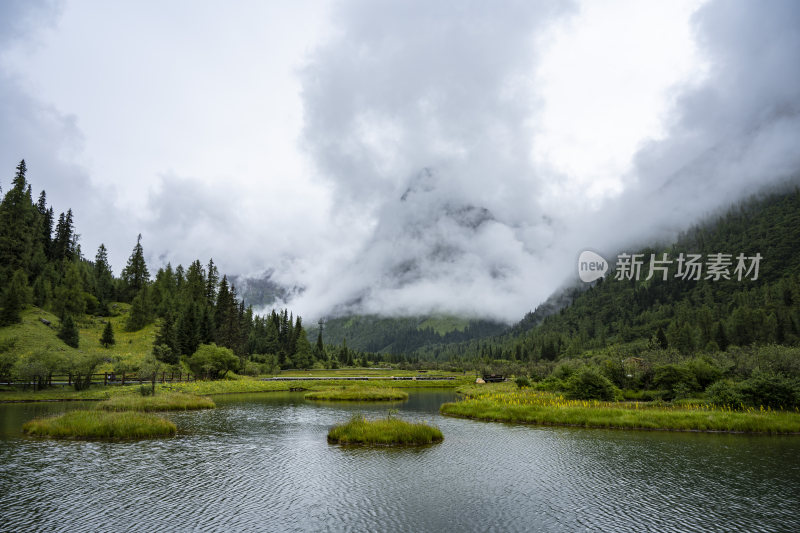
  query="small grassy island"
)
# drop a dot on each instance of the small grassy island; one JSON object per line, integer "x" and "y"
{"x": 544, "y": 408}
{"x": 386, "y": 431}
{"x": 169, "y": 401}
{"x": 358, "y": 394}
{"x": 100, "y": 425}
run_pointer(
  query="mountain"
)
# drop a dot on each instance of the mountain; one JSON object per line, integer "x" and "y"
{"x": 261, "y": 291}
{"x": 402, "y": 335}
{"x": 688, "y": 315}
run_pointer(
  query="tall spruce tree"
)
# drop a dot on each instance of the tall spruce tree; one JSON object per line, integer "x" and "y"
{"x": 17, "y": 227}
{"x": 107, "y": 339}
{"x": 103, "y": 278}
{"x": 135, "y": 274}
{"x": 14, "y": 298}
{"x": 69, "y": 332}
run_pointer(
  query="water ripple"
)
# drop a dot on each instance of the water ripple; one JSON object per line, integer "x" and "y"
{"x": 263, "y": 464}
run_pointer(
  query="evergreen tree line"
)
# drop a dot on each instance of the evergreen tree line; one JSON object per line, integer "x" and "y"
{"x": 684, "y": 315}
{"x": 41, "y": 264}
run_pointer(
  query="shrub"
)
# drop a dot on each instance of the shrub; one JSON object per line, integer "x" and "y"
{"x": 705, "y": 373}
{"x": 668, "y": 377}
{"x": 563, "y": 371}
{"x": 589, "y": 384}
{"x": 724, "y": 393}
{"x": 771, "y": 390}
{"x": 522, "y": 382}
{"x": 213, "y": 361}
{"x": 146, "y": 390}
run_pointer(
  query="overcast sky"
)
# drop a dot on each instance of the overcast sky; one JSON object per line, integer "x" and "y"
{"x": 397, "y": 157}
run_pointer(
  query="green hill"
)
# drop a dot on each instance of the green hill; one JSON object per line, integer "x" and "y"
{"x": 695, "y": 316}
{"x": 24, "y": 341}
{"x": 402, "y": 335}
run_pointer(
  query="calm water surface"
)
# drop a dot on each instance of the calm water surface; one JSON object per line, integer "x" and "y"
{"x": 262, "y": 463}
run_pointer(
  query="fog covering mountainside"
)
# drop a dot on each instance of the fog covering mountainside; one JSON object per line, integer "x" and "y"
{"x": 689, "y": 316}
{"x": 458, "y": 217}
{"x": 260, "y": 291}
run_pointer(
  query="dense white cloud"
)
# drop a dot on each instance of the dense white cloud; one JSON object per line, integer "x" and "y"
{"x": 397, "y": 157}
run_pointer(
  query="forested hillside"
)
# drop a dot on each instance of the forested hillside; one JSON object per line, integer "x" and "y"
{"x": 688, "y": 315}
{"x": 403, "y": 335}
{"x": 43, "y": 266}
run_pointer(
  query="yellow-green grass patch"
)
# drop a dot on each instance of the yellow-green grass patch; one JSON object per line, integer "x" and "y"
{"x": 385, "y": 431}
{"x": 358, "y": 394}
{"x": 100, "y": 425}
{"x": 532, "y": 407}
{"x": 169, "y": 401}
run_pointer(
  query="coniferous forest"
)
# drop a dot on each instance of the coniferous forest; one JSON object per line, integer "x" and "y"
{"x": 42, "y": 265}
{"x": 669, "y": 334}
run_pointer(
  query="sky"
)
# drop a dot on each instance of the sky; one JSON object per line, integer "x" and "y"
{"x": 397, "y": 157}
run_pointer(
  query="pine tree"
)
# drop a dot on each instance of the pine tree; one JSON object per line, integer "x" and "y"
{"x": 63, "y": 244}
{"x": 17, "y": 228}
{"x": 103, "y": 279}
{"x": 139, "y": 315}
{"x": 69, "y": 332}
{"x": 189, "y": 330}
{"x": 661, "y": 339}
{"x": 69, "y": 296}
{"x": 108, "y": 335}
{"x": 14, "y": 299}
{"x": 135, "y": 274}
{"x": 319, "y": 348}
{"x": 212, "y": 280}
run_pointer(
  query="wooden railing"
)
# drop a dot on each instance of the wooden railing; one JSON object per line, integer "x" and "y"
{"x": 110, "y": 378}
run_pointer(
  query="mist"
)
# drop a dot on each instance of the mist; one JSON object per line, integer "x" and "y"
{"x": 431, "y": 136}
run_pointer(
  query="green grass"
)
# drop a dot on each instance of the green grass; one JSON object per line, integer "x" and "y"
{"x": 100, "y": 425}
{"x": 205, "y": 388}
{"x": 256, "y": 385}
{"x": 169, "y": 401}
{"x": 62, "y": 393}
{"x": 368, "y": 372}
{"x": 31, "y": 335}
{"x": 358, "y": 394}
{"x": 385, "y": 431}
{"x": 532, "y": 407}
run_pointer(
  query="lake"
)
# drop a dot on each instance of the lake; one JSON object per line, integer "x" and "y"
{"x": 261, "y": 462}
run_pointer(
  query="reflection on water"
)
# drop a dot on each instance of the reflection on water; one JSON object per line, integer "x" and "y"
{"x": 261, "y": 463}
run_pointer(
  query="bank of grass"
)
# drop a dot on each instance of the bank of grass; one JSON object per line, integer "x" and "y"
{"x": 369, "y": 372}
{"x": 384, "y": 431}
{"x": 100, "y": 425}
{"x": 535, "y": 407}
{"x": 206, "y": 388}
{"x": 257, "y": 385}
{"x": 358, "y": 394}
{"x": 32, "y": 335}
{"x": 167, "y": 401}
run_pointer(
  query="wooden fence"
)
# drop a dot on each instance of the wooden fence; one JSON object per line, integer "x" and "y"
{"x": 111, "y": 378}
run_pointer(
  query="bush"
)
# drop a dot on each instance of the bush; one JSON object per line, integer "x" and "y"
{"x": 522, "y": 382}
{"x": 146, "y": 390}
{"x": 724, "y": 393}
{"x": 213, "y": 361}
{"x": 771, "y": 390}
{"x": 589, "y": 384}
{"x": 705, "y": 373}
{"x": 670, "y": 377}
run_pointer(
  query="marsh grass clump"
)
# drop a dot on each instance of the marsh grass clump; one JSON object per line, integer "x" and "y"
{"x": 100, "y": 425}
{"x": 384, "y": 431}
{"x": 174, "y": 401}
{"x": 533, "y": 407}
{"x": 358, "y": 394}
